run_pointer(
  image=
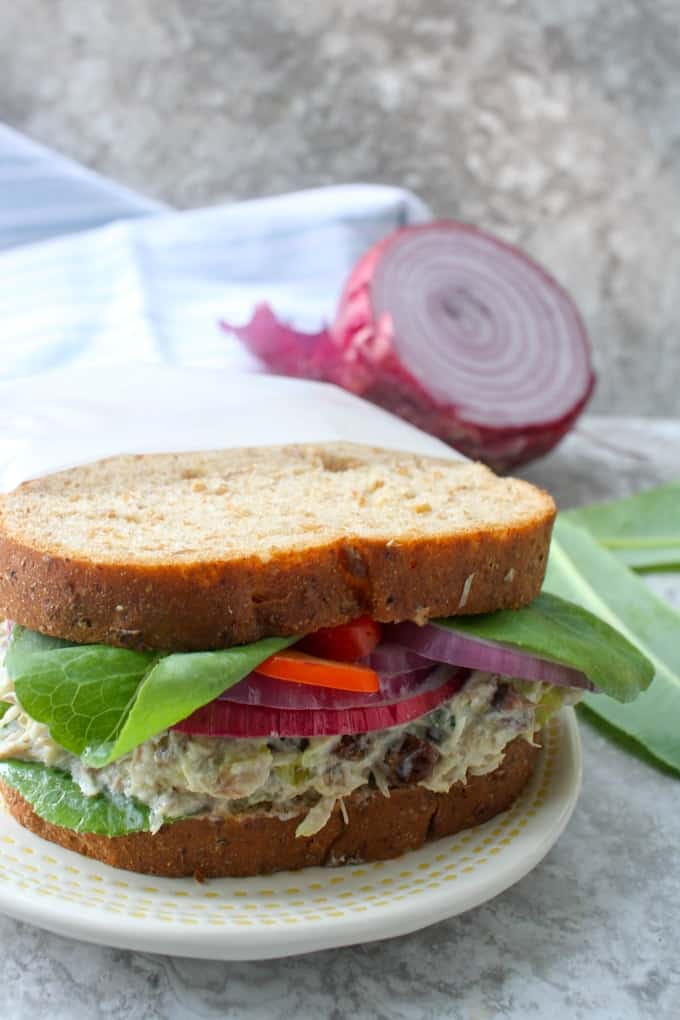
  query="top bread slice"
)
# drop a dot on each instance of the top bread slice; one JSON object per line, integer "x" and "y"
{"x": 195, "y": 551}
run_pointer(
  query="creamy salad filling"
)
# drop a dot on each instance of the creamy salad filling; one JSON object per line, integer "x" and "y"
{"x": 177, "y": 775}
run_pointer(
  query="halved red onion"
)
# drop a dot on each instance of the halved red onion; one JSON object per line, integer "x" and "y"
{"x": 455, "y": 331}
{"x": 443, "y": 645}
{"x": 259, "y": 690}
{"x": 225, "y": 719}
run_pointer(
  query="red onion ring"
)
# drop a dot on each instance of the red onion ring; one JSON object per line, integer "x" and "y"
{"x": 443, "y": 645}
{"x": 223, "y": 719}
{"x": 391, "y": 659}
{"x": 259, "y": 690}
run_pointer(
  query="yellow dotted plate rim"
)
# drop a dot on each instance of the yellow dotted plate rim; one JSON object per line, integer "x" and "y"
{"x": 293, "y": 912}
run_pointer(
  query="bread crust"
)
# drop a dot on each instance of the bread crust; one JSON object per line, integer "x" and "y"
{"x": 202, "y": 606}
{"x": 377, "y": 828}
{"x": 486, "y": 550}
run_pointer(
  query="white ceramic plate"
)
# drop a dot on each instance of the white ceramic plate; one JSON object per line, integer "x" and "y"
{"x": 293, "y": 912}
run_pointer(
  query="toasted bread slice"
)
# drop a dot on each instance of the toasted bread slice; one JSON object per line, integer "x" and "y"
{"x": 207, "y": 550}
{"x": 257, "y": 843}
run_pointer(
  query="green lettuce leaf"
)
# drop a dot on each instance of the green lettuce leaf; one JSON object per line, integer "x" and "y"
{"x": 581, "y": 570}
{"x": 101, "y": 702}
{"x": 642, "y": 531}
{"x": 55, "y": 797}
{"x": 4, "y": 706}
{"x": 553, "y": 628}
{"x": 642, "y": 559}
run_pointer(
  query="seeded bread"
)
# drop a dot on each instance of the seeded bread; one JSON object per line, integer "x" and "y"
{"x": 377, "y": 828}
{"x": 207, "y": 550}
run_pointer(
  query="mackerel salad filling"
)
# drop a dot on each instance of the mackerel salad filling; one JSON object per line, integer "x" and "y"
{"x": 178, "y": 775}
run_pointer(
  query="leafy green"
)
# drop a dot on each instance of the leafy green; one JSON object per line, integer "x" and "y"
{"x": 101, "y": 702}
{"x": 55, "y": 797}
{"x": 581, "y": 570}
{"x": 179, "y": 684}
{"x": 662, "y": 557}
{"x": 643, "y": 531}
{"x": 82, "y": 692}
{"x": 4, "y": 706}
{"x": 552, "y": 628}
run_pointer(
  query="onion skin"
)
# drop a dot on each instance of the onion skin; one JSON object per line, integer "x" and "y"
{"x": 284, "y": 350}
{"x": 358, "y": 353}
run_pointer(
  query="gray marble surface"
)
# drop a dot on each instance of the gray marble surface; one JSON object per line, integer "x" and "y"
{"x": 590, "y": 934}
{"x": 554, "y": 124}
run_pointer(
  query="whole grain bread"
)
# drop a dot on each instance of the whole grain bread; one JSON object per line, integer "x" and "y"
{"x": 256, "y": 843}
{"x": 206, "y": 550}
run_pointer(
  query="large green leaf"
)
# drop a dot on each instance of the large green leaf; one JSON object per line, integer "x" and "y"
{"x": 661, "y": 557}
{"x": 55, "y": 797}
{"x": 176, "y": 686}
{"x": 82, "y": 692}
{"x": 581, "y": 570}
{"x": 101, "y": 702}
{"x": 642, "y": 531}
{"x": 551, "y": 628}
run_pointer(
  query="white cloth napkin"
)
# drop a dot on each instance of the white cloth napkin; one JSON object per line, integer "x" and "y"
{"x": 109, "y": 317}
{"x": 43, "y": 194}
{"x": 151, "y": 285}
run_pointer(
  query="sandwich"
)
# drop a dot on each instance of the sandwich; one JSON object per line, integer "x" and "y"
{"x": 234, "y": 662}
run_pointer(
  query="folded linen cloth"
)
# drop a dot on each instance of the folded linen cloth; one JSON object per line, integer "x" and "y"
{"x": 110, "y": 338}
{"x": 111, "y": 277}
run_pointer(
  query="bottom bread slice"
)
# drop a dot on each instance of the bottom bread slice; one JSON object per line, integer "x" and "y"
{"x": 373, "y": 828}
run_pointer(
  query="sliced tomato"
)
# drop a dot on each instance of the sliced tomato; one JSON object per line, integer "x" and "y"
{"x": 226, "y": 719}
{"x": 347, "y": 643}
{"x": 300, "y": 668}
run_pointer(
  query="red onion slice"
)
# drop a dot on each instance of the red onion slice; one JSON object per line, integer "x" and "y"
{"x": 390, "y": 659}
{"x": 256, "y": 689}
{"x": 225, "y": 719}
{"x": 455, "y": 331}
{"x": 443, "y": 645}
